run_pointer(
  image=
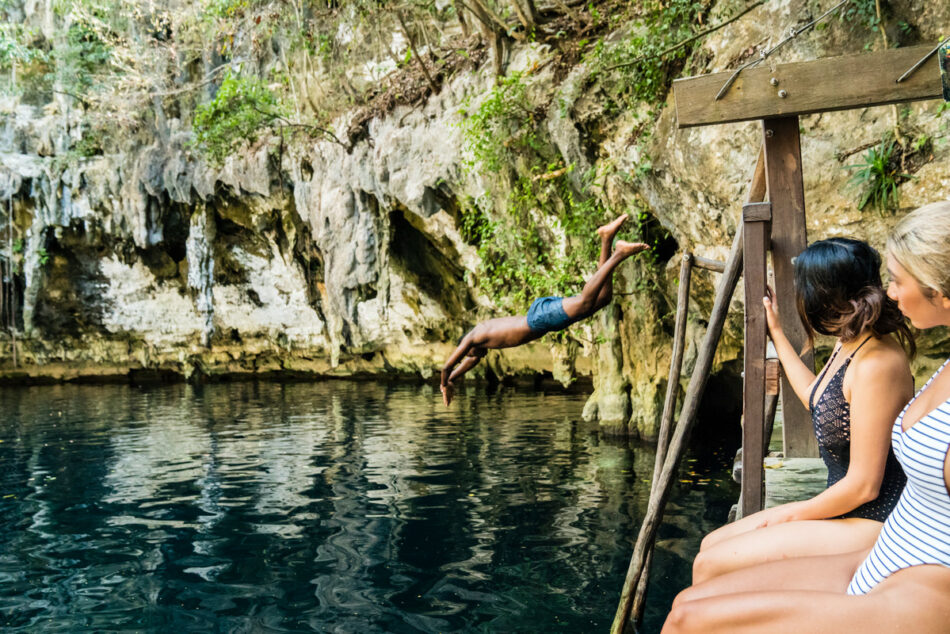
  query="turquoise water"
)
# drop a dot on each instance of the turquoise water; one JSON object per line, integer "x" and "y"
{"x": 327, "y": 507}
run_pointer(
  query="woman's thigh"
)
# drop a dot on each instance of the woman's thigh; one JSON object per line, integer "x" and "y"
{"x": 730, "y": 530}
{"x": 782, "y": 541}
{"x": 829, "y": 573}
{"x": 912, "y": 600}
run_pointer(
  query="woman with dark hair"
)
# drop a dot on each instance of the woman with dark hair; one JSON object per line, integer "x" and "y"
{"x": 901, "y": 584}
{"x": 853, "y": 401}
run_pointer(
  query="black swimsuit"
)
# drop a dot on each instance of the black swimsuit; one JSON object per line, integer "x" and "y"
{"x": 831, "y": 416}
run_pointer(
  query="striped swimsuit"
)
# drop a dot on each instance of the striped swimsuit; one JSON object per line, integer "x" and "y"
{"x": 917, "y": 532}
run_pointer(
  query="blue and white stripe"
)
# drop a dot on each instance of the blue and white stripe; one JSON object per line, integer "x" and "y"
{"x": 917, "y": 532}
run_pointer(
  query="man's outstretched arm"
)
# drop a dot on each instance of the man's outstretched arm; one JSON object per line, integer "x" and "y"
{"x": 468, "y": 363}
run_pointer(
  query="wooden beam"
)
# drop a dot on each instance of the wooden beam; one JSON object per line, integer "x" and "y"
{"x": 708, "y": 264}
{"x": 757, "y": 212}
{"x": 786, "y": 192}
{"x": 821, "y": 85}
{"x": 755, "y": 231}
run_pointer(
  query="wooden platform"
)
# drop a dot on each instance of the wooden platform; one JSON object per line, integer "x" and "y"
{"x": 786, "y": 479}
{"x": 791, "y": 479}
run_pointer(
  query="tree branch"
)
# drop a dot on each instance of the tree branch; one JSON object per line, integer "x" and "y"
{"x": 415, "y": 53}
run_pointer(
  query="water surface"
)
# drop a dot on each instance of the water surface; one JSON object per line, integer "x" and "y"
{"x": 327, "y": 507}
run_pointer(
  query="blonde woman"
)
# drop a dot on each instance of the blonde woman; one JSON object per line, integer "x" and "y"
{"x": 903, "y": 583}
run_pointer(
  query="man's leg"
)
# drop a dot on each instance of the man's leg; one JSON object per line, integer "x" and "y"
{"x": 585, "y": 304}
{"x": 607, "y": 234}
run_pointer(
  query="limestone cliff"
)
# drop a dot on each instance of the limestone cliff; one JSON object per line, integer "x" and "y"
{"x": 347, "y": 253}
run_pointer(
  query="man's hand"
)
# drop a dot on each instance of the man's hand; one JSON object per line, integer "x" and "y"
{"x": 448, "y": 391}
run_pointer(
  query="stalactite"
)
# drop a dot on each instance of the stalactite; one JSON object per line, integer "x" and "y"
{"x": 201, "y": 268}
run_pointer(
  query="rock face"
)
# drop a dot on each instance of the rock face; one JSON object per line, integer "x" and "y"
{"x": 319, "y": 259}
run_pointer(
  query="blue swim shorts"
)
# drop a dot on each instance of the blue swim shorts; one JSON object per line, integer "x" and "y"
{"x": 547, "y": 315}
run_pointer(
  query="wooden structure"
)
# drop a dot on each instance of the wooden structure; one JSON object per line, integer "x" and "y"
{"x": 777, "y": 96}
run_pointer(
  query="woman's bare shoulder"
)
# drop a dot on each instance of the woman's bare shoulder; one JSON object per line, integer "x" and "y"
{"x": 880, "y": 356}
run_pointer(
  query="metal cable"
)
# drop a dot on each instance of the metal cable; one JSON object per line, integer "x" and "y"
{"x": 792, "y": 34}
{"x": 920, "y": 62}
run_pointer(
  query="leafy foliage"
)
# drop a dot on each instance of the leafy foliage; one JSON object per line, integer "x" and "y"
{"x": 242, "y": 108}
{"x": 862, "y": 12}
{"x": 84, "y": 56}
{"x": 879, "y": 177}
{"x": 501, "y": 126}
{"x": 19, "y": 57}
{"x": 642, "y": 58}
{"x": 13, "y": 48}
{"x": 521, "y": 254}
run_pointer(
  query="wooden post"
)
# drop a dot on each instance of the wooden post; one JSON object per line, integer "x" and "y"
{"x": 783, "y": 173}
{"x": 676, "y": 365}
{"x": 669, "y": 404}
{"x": 773, "y": 381}
{"x": 756, "y": 218}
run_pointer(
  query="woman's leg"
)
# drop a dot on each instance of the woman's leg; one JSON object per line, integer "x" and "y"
{"x": 829, "y": 573}
{"x": 584, "y": 305}
{"x": 911, "y": 600}
{"x": 732, "y": 529}
{"x": 782, "y": 541}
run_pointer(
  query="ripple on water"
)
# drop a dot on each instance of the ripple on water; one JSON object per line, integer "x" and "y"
{"x": 328, "y": 507}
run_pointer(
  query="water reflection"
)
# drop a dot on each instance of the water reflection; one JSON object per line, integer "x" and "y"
{"x": 338, "y": 506}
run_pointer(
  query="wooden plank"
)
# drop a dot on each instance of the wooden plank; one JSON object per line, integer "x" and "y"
{"x": 821, "y": 85}
{"x": 757, "y": 212}
{"x": 755, "y": 271}
{"x": 783, "y": 173}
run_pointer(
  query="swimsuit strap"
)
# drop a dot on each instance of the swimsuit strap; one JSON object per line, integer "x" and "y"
{"x": 855, "y": 351}
{"x": 811, "y": 397}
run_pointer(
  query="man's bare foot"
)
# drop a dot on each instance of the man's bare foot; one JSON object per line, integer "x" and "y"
{"x": 608, "y": 231}
{"x": 448, "y": 391}
{"x": 626, "y": 249}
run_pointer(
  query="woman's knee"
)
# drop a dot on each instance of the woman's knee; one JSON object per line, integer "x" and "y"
{"x": 683, "y": 618}
{"x": 684, "y": 596}
{"x": 706, "y": 565}
{"x": 708, "y": 542}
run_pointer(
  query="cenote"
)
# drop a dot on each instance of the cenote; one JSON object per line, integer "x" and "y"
{"x": 335, "y": 506}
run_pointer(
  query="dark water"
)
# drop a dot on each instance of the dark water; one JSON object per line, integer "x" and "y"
{"x": 327, "y": 507}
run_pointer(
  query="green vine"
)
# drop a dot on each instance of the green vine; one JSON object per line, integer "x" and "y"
{"x": 646, "y": 58}
{"x": 542, "y": 238}
{"x": 240, "y": 111}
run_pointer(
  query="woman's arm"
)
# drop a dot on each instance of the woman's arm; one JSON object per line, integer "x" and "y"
{"x": 881, "y": 386}
{"x": 797, "y": 373}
